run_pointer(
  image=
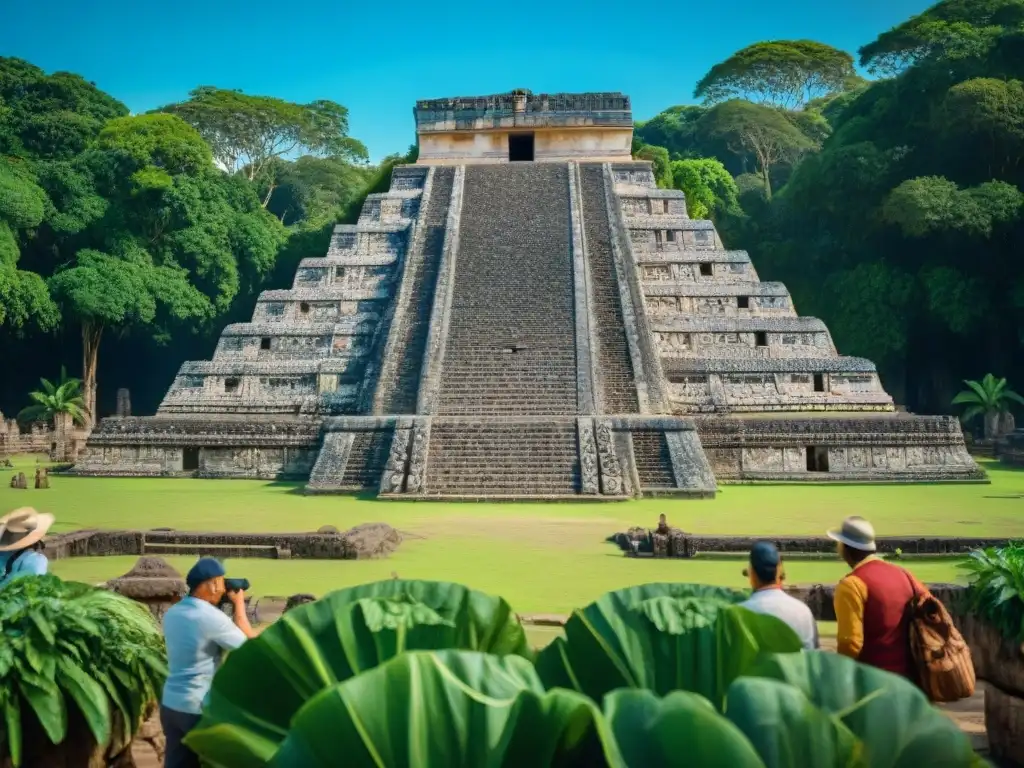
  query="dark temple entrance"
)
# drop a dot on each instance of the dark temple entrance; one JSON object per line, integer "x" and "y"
{"x": 520, "y": 147}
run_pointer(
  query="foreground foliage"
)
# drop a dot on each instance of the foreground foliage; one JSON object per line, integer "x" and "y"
{"x": 406, "y": 673}
{"x": 69, "y": 650}
{"x": 997, "y": 587}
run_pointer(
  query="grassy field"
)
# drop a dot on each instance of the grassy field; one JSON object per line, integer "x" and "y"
{"x": 541, "y": 557}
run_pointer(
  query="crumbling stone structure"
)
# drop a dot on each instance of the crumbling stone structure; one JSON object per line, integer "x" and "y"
{"x": 525, "y": 315}
{"x": 61, "y": 442}
{"x": 152, "y": 582}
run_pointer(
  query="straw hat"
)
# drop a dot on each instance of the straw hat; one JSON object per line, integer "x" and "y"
{"x": 855, "y": 532}
{"x": 22, "y": 528}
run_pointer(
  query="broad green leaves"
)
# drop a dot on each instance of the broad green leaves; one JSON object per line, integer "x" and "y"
{"x": 997, "y": 587}
{"x": 264, "y": 683}
{"x": 447, "y": 708}
{"x": 662, "y": 637}
{"x": 70, "y": 650}
{"x": 406, "y": 673}
{"x": 893, "y": 721}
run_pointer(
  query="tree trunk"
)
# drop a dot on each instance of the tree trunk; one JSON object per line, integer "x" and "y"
{"x": 91, "y": 334}
{"x": 991, "y": 425}
{"x": 767, "y": 181}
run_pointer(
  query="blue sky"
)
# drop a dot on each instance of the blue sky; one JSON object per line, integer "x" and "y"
{"x": 378, "y": 57}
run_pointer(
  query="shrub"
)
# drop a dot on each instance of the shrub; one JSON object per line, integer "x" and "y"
{"x": 71, "y": 652}
{"x": 996, "y": 576}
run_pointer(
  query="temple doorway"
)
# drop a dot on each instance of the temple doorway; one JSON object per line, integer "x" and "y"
{"x": 520, "y": 147}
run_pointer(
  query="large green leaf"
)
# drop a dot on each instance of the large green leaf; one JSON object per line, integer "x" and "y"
{"x": 896, "y": 723}
{"x": 663, "y": 638}
{"x": 88, "y": 695}
{"x": 264, "y": 683}
{"x": 682, "y": 729}
{"x": 786, "y": 729}
{"x": 447, "y": 708}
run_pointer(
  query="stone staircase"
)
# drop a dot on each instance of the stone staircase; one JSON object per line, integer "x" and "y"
{"x": 616, "y": 386}
{"x": 329, "y": 469}
{"x": 367, "y": 459}
{"x": 503, "y": 458}
{"x": 400, "y": 381}
{"x": 510, "y": 349}
{"x": 653, "y": 461}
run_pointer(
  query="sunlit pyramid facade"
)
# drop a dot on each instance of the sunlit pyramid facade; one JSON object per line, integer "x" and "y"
{"x": 526, "y": 315}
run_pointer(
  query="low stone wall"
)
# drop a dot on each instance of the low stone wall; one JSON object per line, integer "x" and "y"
{"x": 362, "y": 542}
{"x": 681, "y": 544}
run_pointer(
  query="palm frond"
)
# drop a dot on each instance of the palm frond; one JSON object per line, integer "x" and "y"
{"x": 983, "y": 391}
{"x": 41, "y": 398}
{"x": 48, "y": 386}
{"x": 972, "y": 412}
{"x": 1009, "y": 394}
{"x": 33, "y": 413}
{"x": 76, "y": 412}
{"x": 966, "y": 397}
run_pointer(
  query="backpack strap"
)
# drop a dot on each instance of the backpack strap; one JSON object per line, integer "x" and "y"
{"x": 9, "y": 565}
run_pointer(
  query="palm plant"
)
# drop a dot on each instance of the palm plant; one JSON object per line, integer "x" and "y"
{"x": 54, "y": 399}
{"x": 997, "y": 587}
{"x": 990, "y": 398}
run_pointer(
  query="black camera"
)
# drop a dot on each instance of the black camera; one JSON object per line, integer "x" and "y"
{"x": 231, "y": 585}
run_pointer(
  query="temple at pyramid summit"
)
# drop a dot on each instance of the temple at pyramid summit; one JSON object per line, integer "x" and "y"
{"x": 526, "y": 315}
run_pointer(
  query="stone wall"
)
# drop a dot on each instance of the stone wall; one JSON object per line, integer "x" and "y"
{"x": 61, "y": 444}
{"x": 853, "y": 448}
{"x": 361, "y": 542}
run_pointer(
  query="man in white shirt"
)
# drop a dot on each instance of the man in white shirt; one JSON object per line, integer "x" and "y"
{"x": 197, "y": 632}
{"x": 765, "y": 574}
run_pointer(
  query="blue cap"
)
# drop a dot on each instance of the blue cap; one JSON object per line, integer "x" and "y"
{"x": 764, "y": 559}
{"x": 207, "y": 568}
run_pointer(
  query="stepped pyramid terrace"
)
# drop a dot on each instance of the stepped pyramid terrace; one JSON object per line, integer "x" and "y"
{"x": 525, "y": 315}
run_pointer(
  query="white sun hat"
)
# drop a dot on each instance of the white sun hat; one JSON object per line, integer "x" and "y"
{"x": 855, "y": 532}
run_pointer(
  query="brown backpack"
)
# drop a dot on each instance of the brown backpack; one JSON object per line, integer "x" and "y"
{"x": 942, "y": 660}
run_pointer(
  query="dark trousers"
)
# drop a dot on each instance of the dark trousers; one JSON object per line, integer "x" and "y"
{"x": 176, "y": 725}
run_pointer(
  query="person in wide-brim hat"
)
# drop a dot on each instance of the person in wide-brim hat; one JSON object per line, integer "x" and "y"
{"x": 21, "y": 537}
{"x": 872, "y": 623}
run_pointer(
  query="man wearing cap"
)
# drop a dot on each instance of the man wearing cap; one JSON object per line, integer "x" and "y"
{"x": 765, "y": 574}
{"x": 21, "y": 538}
{"x": 871, "y": 602}
{"x": 197, "y": 633}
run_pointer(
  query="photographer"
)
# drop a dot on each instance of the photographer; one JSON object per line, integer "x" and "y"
{"x": 197, "y": 634}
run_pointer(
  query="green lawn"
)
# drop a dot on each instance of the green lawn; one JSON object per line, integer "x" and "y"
{"x": 541, "y": 557}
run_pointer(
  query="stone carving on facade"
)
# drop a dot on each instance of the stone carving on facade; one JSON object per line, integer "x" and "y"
{"x": 611, "y": 471}
{"x": 395, "y": 468}
{"x": 588, "y": 458}
{"x": 418, "y": 457}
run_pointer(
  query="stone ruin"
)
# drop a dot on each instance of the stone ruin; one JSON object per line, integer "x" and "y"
{"x": 526, "y": 315}
{"x": 61, "y": 442}
{"x": 152, "y": 582}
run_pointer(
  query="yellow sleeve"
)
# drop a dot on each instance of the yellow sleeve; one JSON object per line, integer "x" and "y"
{"x": 851, "y": 594}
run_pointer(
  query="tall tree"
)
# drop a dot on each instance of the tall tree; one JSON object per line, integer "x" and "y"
{"x": 247, "y": 132}
{"x": 50, "y": 116}
{"x": 950, "y": 30}
{"x": 23, "y": 295}
{"x": 782, "y": 73}
{"x": 145, "y": 232}
{"x": 658, "y": 157}
{"x": 312, "y": 189}
{"x": 764, "y": 133}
